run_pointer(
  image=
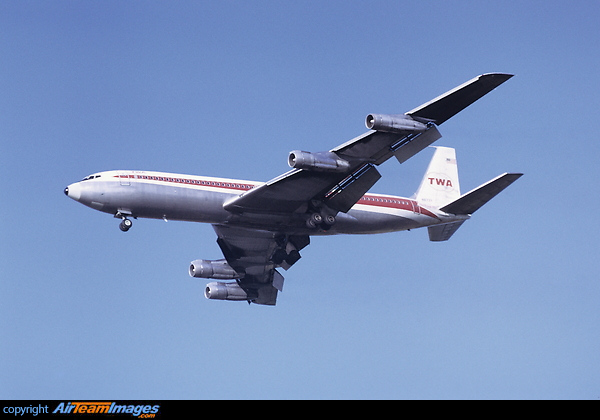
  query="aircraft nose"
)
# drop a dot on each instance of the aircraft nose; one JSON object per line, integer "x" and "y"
{"x": 73, "y": 191}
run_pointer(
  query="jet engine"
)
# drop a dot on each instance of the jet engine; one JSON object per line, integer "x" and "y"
{"x": 321, "y": 161}
{"x": 394, "y": 123}
{"x": 224, "y": 291}
{"x": 218, "y": 269}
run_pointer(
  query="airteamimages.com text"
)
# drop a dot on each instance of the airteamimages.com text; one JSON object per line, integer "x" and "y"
{"x": 142, "y": 411}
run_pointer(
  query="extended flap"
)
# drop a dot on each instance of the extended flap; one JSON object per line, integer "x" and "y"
{"x": 345, "y": 194}
{"x": 413, "y": 145}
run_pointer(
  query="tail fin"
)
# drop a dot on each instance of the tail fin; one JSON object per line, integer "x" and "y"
{"x": 440, "y": 190}
{"x": 440, "y": 184}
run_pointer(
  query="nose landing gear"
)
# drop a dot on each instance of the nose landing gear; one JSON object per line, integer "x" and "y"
{"x": 125, "y": 224}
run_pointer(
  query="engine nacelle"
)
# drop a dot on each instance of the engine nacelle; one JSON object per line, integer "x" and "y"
{"x": 218, "y": 269}
{"x": 321, "y": 161}
{"x": 393, "y": 123}
{"x": 224, "y": 291}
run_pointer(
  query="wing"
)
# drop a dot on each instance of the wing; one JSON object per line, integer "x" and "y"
{"x": 256, "y": 255}
{"x": 340, "y": 188}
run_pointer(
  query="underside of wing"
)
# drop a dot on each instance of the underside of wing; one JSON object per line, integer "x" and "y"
{"x": 287, "y": 193}
{"x": 297, "y": 190}
{"x": 255, "y": 255}
{"x": 337, "y": 190}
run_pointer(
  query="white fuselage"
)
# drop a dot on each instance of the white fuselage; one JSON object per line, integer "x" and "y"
{"x": 158, "y": 195}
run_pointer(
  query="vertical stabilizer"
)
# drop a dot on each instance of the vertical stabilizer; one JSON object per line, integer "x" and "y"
{"x": 440, "y": 184}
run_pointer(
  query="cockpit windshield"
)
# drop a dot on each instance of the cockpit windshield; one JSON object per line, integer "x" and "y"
{"x": 87, "y": 178}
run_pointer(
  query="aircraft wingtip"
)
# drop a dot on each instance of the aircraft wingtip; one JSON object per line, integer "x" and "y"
{"x": 503, "y": 77}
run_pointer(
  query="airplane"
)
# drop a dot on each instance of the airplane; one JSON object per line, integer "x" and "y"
{"x": 263, "y": 226}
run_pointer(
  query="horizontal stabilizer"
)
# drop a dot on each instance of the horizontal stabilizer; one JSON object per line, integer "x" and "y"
{"x": 470, "y": 202}
{"x": 440, "y": 233}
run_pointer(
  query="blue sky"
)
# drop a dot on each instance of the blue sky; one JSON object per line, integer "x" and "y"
{"x": 508, "y": 308}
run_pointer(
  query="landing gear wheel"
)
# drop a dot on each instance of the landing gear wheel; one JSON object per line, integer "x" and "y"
{"x": 317, "y": 218}
{"x": 125, "y": 225}
{"x": 314, "y": 221}
{"x": 329, "y": 220}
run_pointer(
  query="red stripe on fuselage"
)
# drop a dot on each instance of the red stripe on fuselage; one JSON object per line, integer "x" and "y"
{"x": 399, "y": 203}
{"x": 368, "y": 200}
{"x": 238, "y": 186}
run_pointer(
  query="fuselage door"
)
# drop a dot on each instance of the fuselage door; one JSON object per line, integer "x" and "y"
{"x": 124, "y": 179}
{"x": 415, "y": 206}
